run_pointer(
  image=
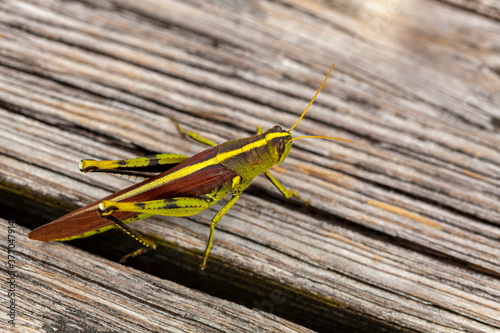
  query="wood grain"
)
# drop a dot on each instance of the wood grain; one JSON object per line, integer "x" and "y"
{"x": 74, "y": 291}
{"x": 403, "y": 227}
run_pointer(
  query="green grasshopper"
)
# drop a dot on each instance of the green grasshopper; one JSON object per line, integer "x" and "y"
{"x": 185, "y": 185}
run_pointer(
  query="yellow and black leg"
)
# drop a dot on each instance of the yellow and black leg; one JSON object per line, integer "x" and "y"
{"x": 134, "y": 166}
{"x": 168, "y": 207}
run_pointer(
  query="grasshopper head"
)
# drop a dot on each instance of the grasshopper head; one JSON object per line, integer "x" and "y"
{"x": 279, "y": 143}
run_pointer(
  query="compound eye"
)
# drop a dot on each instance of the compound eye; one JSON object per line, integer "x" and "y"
{"x": 280, "y": 147}
{"x": 277, "y": 128}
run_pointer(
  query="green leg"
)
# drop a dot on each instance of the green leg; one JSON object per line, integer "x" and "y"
{"x": 259, "y": 130}
{"x": 283, "y": 190}
{"x": 216, "y": 220}
{"x": 193, "y": 135}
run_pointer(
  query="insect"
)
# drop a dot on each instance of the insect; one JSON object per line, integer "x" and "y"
{"x": 185, "y": 185}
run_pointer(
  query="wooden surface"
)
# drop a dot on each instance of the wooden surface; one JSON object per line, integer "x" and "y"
{"x": 403, "y": 230}
{"x": 120, "y": 299}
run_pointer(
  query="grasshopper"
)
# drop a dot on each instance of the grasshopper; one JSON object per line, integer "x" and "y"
{"x": 185, "y": 185}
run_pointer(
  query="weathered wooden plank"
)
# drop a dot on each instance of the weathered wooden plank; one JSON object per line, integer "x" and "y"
{"x": 71, "y": 291}
{"x": 487, "y": 8}
{"x": 403, "y": 225}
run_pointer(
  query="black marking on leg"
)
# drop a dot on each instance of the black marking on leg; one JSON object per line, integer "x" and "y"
{"x": 207, "y": 198}
{"x": 88, "y": 169}
{"x": 141, "y": 205}
{"x": 153, "y": 161}
{"x": 107, "y": 212}
{"x": 171, "y": 206}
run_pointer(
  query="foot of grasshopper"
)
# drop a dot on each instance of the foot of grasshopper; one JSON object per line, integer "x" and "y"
{"x": 134, "y": 254}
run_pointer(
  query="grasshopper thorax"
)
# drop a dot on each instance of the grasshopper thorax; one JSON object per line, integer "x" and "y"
{"x": 279, "y": 143}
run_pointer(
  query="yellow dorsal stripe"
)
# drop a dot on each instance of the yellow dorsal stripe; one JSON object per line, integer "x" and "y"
{"x": 277, "y": 135}
{"x": 163, "y": 180}
{"x": 228, "y": 154}
{"x": 259, "y": 143}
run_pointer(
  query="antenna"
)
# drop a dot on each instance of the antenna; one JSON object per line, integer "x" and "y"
{"x": 312, "y": 100}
